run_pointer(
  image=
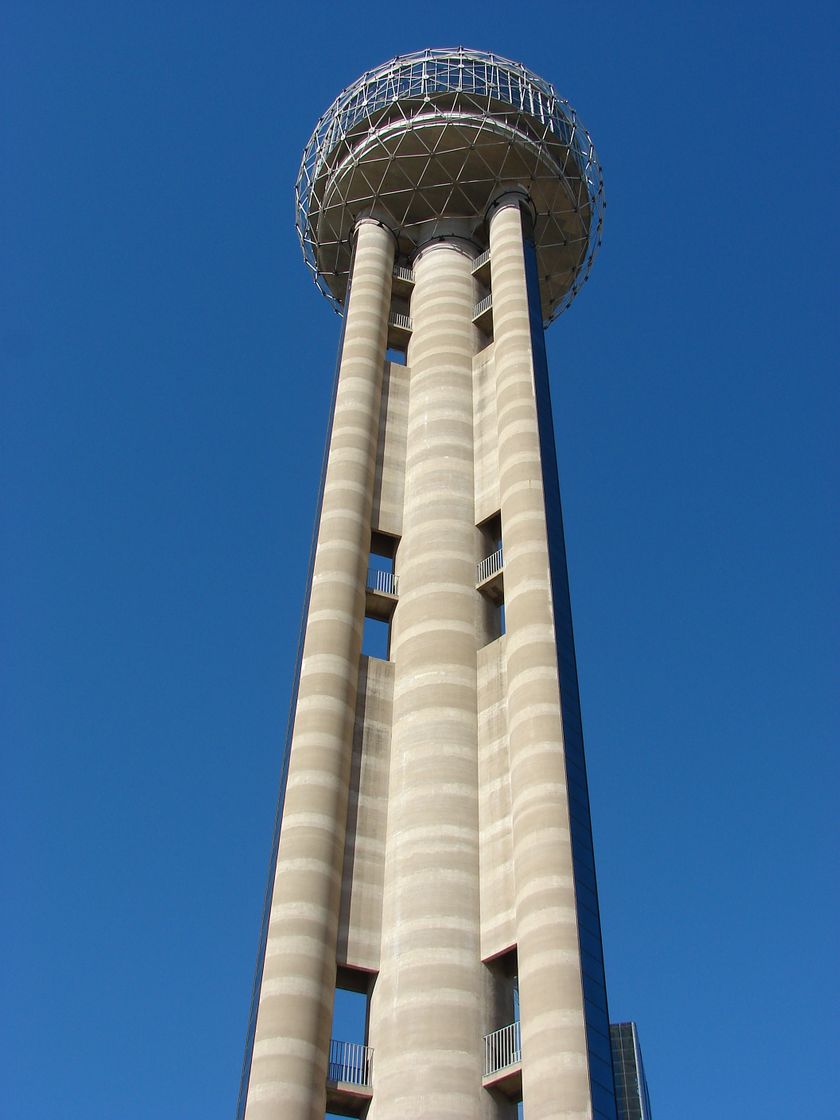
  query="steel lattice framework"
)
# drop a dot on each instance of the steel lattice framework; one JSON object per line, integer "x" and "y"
{"x": 429, "y": 140}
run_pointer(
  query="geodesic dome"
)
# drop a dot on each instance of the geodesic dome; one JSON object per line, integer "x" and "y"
{"x": 436, "y": 136}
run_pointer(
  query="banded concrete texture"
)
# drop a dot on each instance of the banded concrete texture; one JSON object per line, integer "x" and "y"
{"x": 425, "y": 840}
{"x": 389, "y": 487}
{"x": 426, "y": 1014}
{"x": 498, "y": 927}
{"x": 555, "y": 1065}
{"x": 360, "y": 922}
{"x": 486, "y": 434}
{"x": 289, "y": 1064}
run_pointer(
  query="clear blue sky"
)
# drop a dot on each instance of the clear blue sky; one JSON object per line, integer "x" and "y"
{"x": 158, "y": 333}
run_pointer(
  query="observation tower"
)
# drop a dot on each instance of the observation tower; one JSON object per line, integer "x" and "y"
{"x": 433, "y": 850}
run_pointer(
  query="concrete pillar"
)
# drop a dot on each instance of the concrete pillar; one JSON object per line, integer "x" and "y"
{"x": 289, "y": 1065}
{"x": 426, "y": 1024}
{"x": 555, "y": 1070}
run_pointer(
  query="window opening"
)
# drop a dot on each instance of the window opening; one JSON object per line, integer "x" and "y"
{"x": 380, "y": 596}
{"x": 491, "y": 531}
{"x": 349, "y": 1058}
{"x": 503, "y": 1040}
{"x": 490, "y": 576}
{"x": 504, "y": 985}
{"x": 483, "y": 313}
{"x": 381, "y": 558}
{"x": 376, "y": 638}
{"x": 350, "y": 1012}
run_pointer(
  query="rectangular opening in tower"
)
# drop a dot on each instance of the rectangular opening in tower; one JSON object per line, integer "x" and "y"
{"x": 349, "y": 1071}
{"x": 380, "y": 596}
{"x": 503, "y": 1040}
{"x": 490, "y": 579}
{"x": 376, "y": 638}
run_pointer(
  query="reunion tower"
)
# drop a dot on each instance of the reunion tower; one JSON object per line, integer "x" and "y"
{"x": 434, "y": 848}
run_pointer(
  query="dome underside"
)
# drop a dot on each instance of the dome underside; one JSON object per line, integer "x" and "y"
{"x": 443, "y": 157}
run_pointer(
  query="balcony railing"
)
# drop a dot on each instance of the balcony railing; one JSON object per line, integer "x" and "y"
{"x": 482, "y": 306}
{"x": 350, "y": 1063}
{"x": 403, "y": 273}
{"x": 502, "y": 1048}
{"x": 481, "y": 260}
{"x": 397, "y": 319}
{"x": 384, "y": 582}
{"x": 489, "y": 566}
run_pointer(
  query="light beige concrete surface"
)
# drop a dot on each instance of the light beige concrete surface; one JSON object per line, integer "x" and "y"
{"x": 486, "y": 436}
{"x": 288, "y": 1072}
{"x": 426, "y": 1013}
{"x": 360, "y": 921}
{"x": 426, "y": 823}
{"x": 389, "y": 484}
{"x": 498, "y": 927}
{"x": 555, "y": 1069}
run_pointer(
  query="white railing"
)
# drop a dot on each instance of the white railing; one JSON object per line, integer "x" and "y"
{"x": 377, "y": 580}
{"x": 489, "y": 566}
{"x": 397, "y": 319}
{"x": 483, "y": 305}
{"x": 350, "y": 1062}
{"x": 403, "y": 273}
{"x": 502, "y": 1048}
{"x": 480, "y": 260}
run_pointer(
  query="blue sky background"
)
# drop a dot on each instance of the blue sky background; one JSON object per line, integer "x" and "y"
{"x": 166, "y": 370}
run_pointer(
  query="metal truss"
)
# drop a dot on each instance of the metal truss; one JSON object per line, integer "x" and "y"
{"x": 432, "y": 138}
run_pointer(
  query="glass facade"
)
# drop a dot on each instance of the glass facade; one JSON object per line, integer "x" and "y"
{"x": 631, "y": 1091}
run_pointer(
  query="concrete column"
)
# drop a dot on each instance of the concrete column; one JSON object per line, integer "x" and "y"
{"x": 555, "y": 1069}
{"x": 426, "y": 1007}
{"x": 289, "y": 1066}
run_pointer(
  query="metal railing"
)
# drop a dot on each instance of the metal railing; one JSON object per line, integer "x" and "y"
{"x": 480, "y": 260}
{"x": 482, "y": 306}
{"x": 489, "y": 566}
{"x": 397, "y": 319}
{"x": 377, "y": 580}
{"x": 403, "y": 273}
{"x": 350, "y": 1062}
{"x": 502, "y": 1048}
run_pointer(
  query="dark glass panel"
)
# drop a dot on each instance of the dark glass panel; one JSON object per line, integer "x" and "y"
{"x": 584, "y": 865}
{"x": 602, "y": 1068}
{"x": 587, "y": 897}
{"x": 603, "y": 1098}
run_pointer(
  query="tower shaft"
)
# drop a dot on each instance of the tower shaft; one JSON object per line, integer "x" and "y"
{"x": 290, "y": 1046}
{"x": 553, "y": 1034}
{"x": 435, "y": 850}
{"x": 429, "y": 986}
